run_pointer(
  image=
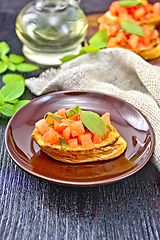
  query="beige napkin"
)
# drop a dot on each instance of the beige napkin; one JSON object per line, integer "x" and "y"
{"x": 114, "y": 71}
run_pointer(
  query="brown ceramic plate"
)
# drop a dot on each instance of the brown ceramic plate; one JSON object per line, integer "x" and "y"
{"x": 130, "y": 123}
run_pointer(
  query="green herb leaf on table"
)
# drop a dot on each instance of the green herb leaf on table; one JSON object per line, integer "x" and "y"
{"x": 8, "y": 109}
{"x": 26, "y": 67}
{"x": 99, "y": 39}
{"x": 12, "y": 77}
{"x": 132, "y": 28}
{"x": 129, "y": 3}
{"x": 4, "y": 48}
{"x": 63, "y": 142}
{"x": 16, "y": 58}
{"x": 3, "y": 67}
{"x": 86, "y": 49}
{"x": 11, "y": 67}
{"x": 12, "y": 91}
{"x": 13, "y": 62}
{"x": 93, "y": 122}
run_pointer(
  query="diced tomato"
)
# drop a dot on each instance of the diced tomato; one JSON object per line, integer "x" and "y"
{"x": 114, "y": 7}
{"x": 103, "y": 26}
{"x": 106, "y": 118}
{"x": 41, "y": 125}
{"x": 113, "y": 30}
{"x": 133, "y": 41}
{"x": 154, "y": 34}
{"x": 65, "y": 123}
{"x": 58, "y": 127}
{"x": 156, "y": 7}
{"x": 75, "y": 117}
{"x": 77, "y": 128}
{"x": 139, "y": 13}
{"x": 107, "y": 133}
{"x": 51, "y": 136}
{"x": 112, "y": 42}
{"x": 85, "y": 140}
{"x": 66, "y": 133}
{"x": 49, "y": 120}
{"x": 61, "y": 113}
{"x": 73, "y": 143}
{"x": 97, "y": 139}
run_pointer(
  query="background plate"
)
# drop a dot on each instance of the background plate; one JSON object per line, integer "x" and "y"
{"x": 130, "y": 123}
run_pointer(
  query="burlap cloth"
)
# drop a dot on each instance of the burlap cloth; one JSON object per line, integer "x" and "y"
{"x": 115, "y": 71}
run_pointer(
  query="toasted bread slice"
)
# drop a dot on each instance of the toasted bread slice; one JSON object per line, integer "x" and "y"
{"x": 109, "y": 148}
{"x": 148, "y": 53}
{"x": 108, "y": 17}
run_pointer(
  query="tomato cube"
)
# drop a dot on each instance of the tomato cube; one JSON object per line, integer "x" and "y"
{"x": 106, "y": 118}
{"x": 85, "y": 140}
{"x": 41, "y": 125}
{"x": 51, "y": 136}
{"x": 73, "y": 143}
{"x": 58, "y": 127}
{"x": 77, "y": 128}
{"x": 97, "y": 139}
{"x": 66, "y": 133}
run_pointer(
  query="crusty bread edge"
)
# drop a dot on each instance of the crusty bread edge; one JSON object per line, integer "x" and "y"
{"x": 108, "y": 149}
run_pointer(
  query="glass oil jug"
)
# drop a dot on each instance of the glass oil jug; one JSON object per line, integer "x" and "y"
{"x": 51, "y": 29}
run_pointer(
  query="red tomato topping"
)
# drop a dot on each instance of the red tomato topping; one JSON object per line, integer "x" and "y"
{"x": 41, "y": 125}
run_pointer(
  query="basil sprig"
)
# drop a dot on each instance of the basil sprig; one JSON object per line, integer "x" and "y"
{"x": 99, "y": 39}
{"x": 132, "y": 28}
{"x": 73, "y": 111}
{"x": 13, "y": 62}
{"x": 14, "y": 87}
{"x": 129, "y": 3}
{"x": 54, "y": 116}
{"x": 93, "y": 122}
{"x": 63, "y": 142}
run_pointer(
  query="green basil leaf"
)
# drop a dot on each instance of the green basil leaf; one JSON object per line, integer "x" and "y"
{"x": 53, "y": 116}
{"x": 73, "y": 111}
{"x": 26, "y": 67}
{"x": 129, "y": 3}
{"x": 16, "y": 58}
{"x": 11, "y": 66}
{"x": 93, "y": 122}
{"x": 4, "y": 48}
{"x": 3, "y": 67}
{"x": 14, "y": 101}
{"x": 109, "y": 127}
{"x": 8, "y": 110}
{"x": 68, "y": 57}
{"x": 132, "y": 28}
{"x": 63, "y": 142}
{"x": 86, "y": 49}
{"x": 99, "y": 39}
{"x": 20, "y": 104}
{"x": 12, "y": 91}
{"x": 12, "y": 77}
{"x": 1, "y": 99}
{"x": 4, "y": 58}
{"x": 49, "y": 126}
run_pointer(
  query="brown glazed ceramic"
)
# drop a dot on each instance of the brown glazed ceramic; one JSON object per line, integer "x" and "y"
{"x": 131, "y": 124}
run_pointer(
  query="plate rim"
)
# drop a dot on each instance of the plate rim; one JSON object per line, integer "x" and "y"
{"x": 76, "y": 183}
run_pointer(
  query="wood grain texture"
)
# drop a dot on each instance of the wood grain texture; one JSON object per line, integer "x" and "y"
{"x": 35, "y": 209}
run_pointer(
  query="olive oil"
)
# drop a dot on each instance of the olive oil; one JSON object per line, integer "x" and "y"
{"x": 51, "y": 29}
